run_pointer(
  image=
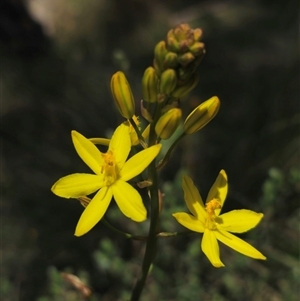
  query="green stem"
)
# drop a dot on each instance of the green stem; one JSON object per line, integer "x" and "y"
{"x": 171, "y": 234}
{"x": 151, "y": 240}
{"x": 127, "y": 235}
{"x": 154, "y": 217}
{"x": 141, "y": 138}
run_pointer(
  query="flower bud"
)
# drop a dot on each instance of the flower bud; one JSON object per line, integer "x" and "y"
{"x": 197, "y": 32}
{"x": 186, "y": 58}
{"x": 197, "y": 49}
{"x": 202, "y": 115}
{"x": 122, "y": 94}
{"x": 160, "y": 51}
{"x": 183, "y": 90}
{"x": 173, "y": 45}
{"x": 168, "y": 81}
{"x": 168, "y": 123}
{"x": 171, "y": 60}
{"x": 149, "y": 85}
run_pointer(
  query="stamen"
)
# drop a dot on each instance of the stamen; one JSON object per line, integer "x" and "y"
{"x": 210, "y": 208}
{"x": 109, "y": 168}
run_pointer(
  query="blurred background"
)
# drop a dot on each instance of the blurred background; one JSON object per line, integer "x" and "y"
{"x": 57, "y": 60}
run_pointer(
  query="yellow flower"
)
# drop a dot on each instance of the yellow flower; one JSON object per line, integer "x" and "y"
{"x": 207, "y": 220}
{"x": 112, "y": 172}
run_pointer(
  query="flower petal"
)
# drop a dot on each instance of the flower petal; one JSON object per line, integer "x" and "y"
{"x": 239, "y": 221}
{"x": 88, "y": 152}
{"x": 238, "y": 244}
{"x": 210, "y": 248}
{"x": 76, "y": 185}
{"x": 94, "y": 211}
{"x": 120, "y": 144}
{"x": 136, "y": 164}
{"x": 189, "y": 221}
{"x": 193, "y": 199}
{"x": 129, "y": 201}
{"x": 219, "y": 190}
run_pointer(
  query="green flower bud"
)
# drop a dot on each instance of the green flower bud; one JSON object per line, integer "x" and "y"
{"x": 202, "y": 115}
{"x": 149, "y": 85}
{"x": 168, "y": 123}
{"x": 122, "y": 94}
{"x": 173, "y": 45}
{"x": 183, "y": 90}
{"x": 197, "y": 32}
{"x": 171, "y": 60}
{"x": 197, "y": 49}
{"x": 168, "y": 81}
{"x": 160, "y": 51}
{"x": 186, "y": 58}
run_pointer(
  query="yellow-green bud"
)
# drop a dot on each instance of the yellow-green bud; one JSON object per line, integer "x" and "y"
{"x": 149, "y": 85}
{"x": 186, "y": 59}
{"x": 197, "y": 49}
{"x": 172, "y": 43}
{"x": 168, "y": 123}
{"x": 122, "y": 94}
{"x": 202, "y": 115}
{"x": 160, "y": 51}
{"x": 197, "y": 32}
{"x": 183, "y": 90}
{"x": 171, "y": 60}
{"x": 168, "y": 81}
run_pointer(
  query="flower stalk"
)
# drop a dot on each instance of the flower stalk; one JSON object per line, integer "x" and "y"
{"x": 172, "y": 76}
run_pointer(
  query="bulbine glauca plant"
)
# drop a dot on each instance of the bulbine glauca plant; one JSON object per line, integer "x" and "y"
{"x": 133, "y": 151}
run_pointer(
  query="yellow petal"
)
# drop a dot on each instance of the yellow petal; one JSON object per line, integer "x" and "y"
{"x": 238, "y": 244}
{"x": 219, "y": 190}
{"x": 88, "y": 152}
{"x": 94, "y": 211}
{"x": 189, "y": 221}
{"x": 239, "y": 221}
{"x": 120, "y": 144}
{"x": 136, "y": 164}
{"x": 193, "y": 199}
{"x": 210, "y": 248}
{"x": 76, "y": 185}
{"x": 129, "y": 201}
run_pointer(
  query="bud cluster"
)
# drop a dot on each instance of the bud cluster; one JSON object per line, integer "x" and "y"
{"x": 172, "y": 76}
{"x": 176, "y": 60}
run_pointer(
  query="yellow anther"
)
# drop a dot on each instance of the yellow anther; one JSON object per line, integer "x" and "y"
{"x": 109, "y": 168}
{"x": 212, "y": 205}
{"x": 210, "y": 208}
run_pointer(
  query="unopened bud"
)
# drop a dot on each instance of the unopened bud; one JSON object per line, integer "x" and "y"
{"x": 168, "y": 81}
{"x": 172, "y": 44}
{"x": 149, "y": 85}
{"x": 160, "y": 51}
{"x": 168, "y": 123}
{"x": 197, "y": 32}
{"x": 197, "y": 49}
{"x": 171, "y": 60}
{"x": 186, "y": 58}
{"x": 122, "y": 94}
{"x": 202, "y": 115}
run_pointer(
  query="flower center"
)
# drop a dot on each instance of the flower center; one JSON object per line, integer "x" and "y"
{"x": 109, "y": 168}
{"x": 210, "y": 208}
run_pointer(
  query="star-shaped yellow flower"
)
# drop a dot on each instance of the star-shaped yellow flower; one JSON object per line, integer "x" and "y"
{"x": 112, "y": 172}
{"x": 207, "y": 220}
